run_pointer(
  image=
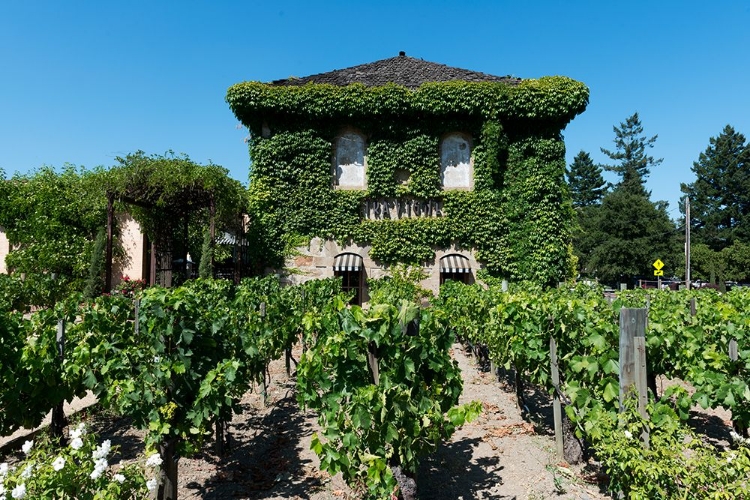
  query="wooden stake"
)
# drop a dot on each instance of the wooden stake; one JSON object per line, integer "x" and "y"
{"x": 57, "y": 424}
{"x": 556, "y": 406}
{"x": 633, "y": 358}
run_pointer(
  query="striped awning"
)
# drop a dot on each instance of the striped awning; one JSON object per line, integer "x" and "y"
{"x": 454, "y": 263}
{"x": 347, "y": 262}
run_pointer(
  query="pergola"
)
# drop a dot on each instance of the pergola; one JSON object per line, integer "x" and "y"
{"x": 162, "y": 193}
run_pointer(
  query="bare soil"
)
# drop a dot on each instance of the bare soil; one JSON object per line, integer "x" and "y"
{"x": 499, "y": 456}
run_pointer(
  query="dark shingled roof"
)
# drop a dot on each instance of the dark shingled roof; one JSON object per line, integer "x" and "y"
{"x": 402, "y": 70}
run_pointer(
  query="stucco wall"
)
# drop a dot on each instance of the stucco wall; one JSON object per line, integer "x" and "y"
{"x": 133, "y": 245}
{"x": 4, "y": 249}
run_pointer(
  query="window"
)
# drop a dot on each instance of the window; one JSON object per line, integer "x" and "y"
{"x": 349, "y": 161}
{"x": 348, "y": 266}
{"x": 455, "y": 267}
{"x": 455, "y": 162}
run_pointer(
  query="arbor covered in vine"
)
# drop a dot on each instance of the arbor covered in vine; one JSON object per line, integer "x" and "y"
{"x": 175, "y": 200}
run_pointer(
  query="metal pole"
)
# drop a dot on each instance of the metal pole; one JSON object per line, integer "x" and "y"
{"x": 687, "y": 243}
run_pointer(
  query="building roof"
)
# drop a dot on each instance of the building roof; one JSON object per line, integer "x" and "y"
{"x": 402, "y": 70}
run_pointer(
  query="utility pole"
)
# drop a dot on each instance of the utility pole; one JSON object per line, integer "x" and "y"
{"x": 687, "y": 243}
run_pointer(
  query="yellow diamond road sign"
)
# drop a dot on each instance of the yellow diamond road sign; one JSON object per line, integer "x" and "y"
{"x": 658, "y": 264}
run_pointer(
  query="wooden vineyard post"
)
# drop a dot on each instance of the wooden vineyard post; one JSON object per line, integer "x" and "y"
{"x": 372, "y": 362}
{"x": 650, "y": 377}
{"x": 633, "y": 360}
{"x": 693, "y": 307}
{"x": 556, "y": 406}
{"x": 520, "y": 401}
{"x": 641, "y": 375}
{"x": 266, "y": 382}
{"x": 137, "y": 313}
{"x": 57, "y": 424}
{"x": 738, "y": 426}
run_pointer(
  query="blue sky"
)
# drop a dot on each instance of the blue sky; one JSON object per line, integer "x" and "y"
{"x": 83, "y": 82}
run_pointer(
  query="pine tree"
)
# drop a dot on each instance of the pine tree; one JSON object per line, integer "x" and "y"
{"x": 720, "y": 195}
{"x": 634, "y": 165}
{"x": 95, "y": 280}
{"x": 585, "y": 179}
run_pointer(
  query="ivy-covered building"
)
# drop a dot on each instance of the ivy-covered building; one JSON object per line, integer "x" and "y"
{"x": 408, "y": 161}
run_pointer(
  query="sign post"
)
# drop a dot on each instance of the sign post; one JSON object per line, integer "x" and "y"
{"x": 658, "y": 271}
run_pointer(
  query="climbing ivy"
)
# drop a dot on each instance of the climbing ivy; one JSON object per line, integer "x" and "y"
{"x": 517, "y": 218}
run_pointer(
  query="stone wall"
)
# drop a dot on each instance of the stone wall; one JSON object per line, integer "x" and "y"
{"x": 315, "y": 261}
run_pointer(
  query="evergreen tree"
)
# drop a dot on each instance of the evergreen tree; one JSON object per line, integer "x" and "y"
{"x": 585, "y": 179}
{"x": 587, "y": 187}
{"x": 633, "y": 164}
{"x": 632, "y": 233}
{"x": 587, "y": 236}
{"x": 95, "y": 281}
{"x": 720, "y": 195}
{"x": 628, "y": 232}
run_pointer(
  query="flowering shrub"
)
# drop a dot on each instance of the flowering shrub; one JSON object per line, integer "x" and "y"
{"x": 81, "y": 471}
{"x": 130, "y": 288}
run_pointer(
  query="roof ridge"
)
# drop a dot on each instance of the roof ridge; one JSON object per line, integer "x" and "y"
{"x": 402, "y": 70}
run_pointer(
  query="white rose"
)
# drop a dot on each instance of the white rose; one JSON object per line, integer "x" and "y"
{"x": 78, "y": 431}
{"x": 102, "y": 451}
{"x": 628, "y": 435}
{"x": 27, "y": 447}
{"x": 19, "y": 491}
{"x": 119, "y": 478}
{"x": 151, "y": 484}
{"x": 154, "y": 460}
{"x": 27, "y": 471}
{"x": 58, "y": 464}
{"x": 77, "y": 443}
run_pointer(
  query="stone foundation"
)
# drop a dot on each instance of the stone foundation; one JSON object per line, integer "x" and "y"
{"x": 315, "y": 261}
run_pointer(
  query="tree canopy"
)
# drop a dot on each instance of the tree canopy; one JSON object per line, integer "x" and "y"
{"x": 585, "y": 179}
{"x": 51, "y": 219}
{"x": 632, "y": 233}
{"x": 720, "y": 194}
{"x": 633, "y": 165}
{"x": 162, "y": 188}
{"x": 619, "y": 238}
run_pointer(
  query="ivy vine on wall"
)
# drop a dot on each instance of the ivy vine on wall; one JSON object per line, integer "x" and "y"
{"x": 517, "y": 218}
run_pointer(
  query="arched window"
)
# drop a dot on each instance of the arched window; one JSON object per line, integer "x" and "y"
{"x": 349, "y": 161}
{"x": 350, "y": 268}
{"x": 455, "y": 162}
{"x": 455, "y": 267}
